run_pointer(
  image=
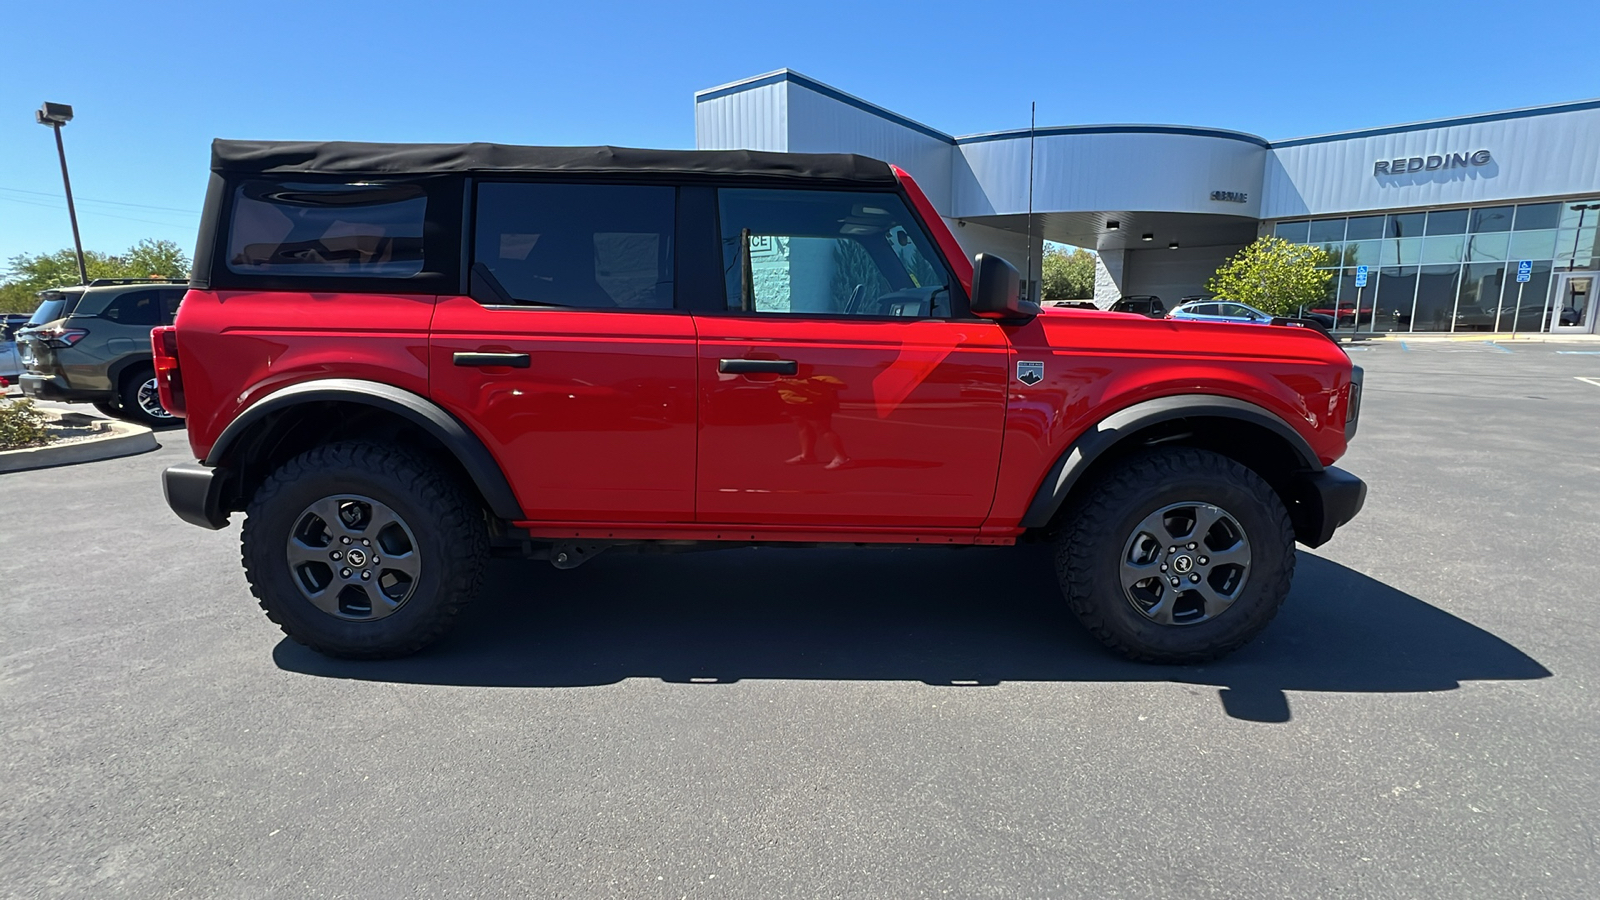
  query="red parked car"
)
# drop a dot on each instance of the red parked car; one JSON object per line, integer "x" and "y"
{"x": 397, "y": 358}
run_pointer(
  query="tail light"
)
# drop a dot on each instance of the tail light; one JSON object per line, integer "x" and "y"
{"x": 60, "y": 337}
{"x": 169, "y": 381}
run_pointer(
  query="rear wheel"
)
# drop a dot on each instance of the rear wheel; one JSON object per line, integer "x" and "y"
{"x": 1177, "y": 556}
{"x": 363, "y": 551}
{"x": 141, "y": 400}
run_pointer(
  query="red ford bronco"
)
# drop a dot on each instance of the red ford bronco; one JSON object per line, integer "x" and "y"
{"x": 397, "y": 360}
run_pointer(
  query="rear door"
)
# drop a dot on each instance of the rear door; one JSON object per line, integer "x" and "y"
{"x": 839, "y": 386}
{"x": 572, "y": 363}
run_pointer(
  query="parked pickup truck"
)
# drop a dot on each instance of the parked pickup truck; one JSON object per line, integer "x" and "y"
{"x": 398, "y": 359}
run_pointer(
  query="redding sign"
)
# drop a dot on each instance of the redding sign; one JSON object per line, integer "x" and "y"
{"x": 1430, "y": 163}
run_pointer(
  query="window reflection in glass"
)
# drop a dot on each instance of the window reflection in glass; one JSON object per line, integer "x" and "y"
{"x": 1492, "y": 218}
{"x": 1436, "y": 298}
{"x": 1364, "y": 228}
{"x": 1294, "y": 231}
{"x": 1327, "y": 231}
{"x": 1363, "y": 253}
{"x": 1530, "y": 313}
{"x": 1532, "y": 244}
{"x": 1447, "y": 221}
{"x": 1532, "y": 216}
{"x": 1480, "y": 296}
{"x": 1487, "y": 247}
{"x": 1401, "y": 252}
{"x": 1403, "y": 225}
{"x": 1441, "y": 249}
{"x": 1397, "y": 291}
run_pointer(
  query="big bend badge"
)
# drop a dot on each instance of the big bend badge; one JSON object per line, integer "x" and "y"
{"x": 1030, "y": 373}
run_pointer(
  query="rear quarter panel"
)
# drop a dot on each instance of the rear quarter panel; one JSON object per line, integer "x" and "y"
{"x": 235, "y": 347}
{"x": 1097, "y": 363}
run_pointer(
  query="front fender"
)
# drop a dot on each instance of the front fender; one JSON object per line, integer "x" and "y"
{"x": 1094, "y": 442}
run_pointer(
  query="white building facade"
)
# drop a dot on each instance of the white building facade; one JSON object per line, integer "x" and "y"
{"x": 1444, "y": 216}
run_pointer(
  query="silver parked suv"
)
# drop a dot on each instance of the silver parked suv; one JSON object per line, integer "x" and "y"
{"x": 95, "y": 348}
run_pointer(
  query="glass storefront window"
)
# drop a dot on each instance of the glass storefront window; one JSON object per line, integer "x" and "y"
{"x": 1436, "y": 298}
{"x": 1487, "y": 247}
{"x": 1401, "y": 252}
{"x": 1447, "y": 221}
{"x": 1397, "y": 291}
{"x": 1293, "y": 231}
{"x": 1403, "y": 225}
{"x": 1578, "y": 212}
{"x": 1480, "y": 296}
{"x": 1348, "y": 298}
{"x": 1327, "y": 231}
{"x": 1532, "y": 244}
{"x": 1532, "y": 311}
{"x": 1444, "y": 248}
{"x": 1576, "y": 247}
{"x": 1335, "y": 254}
{"x": 1362, "y": 253}
{"x": 1532, "y": 216}
{"x": 1492, "y": 218}
{"x": 1364, "y": 228}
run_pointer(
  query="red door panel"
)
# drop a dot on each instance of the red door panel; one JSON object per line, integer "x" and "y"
{"x": 882, "y": 423}
{"x": 599, "y": 426}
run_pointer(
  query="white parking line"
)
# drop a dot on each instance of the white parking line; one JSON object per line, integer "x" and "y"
{"x": 1593, "y": 381}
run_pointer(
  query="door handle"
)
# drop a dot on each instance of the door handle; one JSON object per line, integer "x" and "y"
{"x": 512, "y": 360}
{"x": 757, "y": 366}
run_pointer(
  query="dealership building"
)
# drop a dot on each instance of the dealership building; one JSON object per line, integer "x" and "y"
{"x": 1485, "y": 222}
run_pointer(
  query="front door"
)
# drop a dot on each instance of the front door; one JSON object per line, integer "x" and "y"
{"x": 569, "y": 361}
{"x": 1576, "y": 296}
{"x": 839, "y": 388}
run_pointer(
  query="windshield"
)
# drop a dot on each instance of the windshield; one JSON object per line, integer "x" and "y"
{"x": 54, "y": 306}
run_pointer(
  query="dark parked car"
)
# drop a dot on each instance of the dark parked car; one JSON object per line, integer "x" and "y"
{"x": 1145, "y": 305}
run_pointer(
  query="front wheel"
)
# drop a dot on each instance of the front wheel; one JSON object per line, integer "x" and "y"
{"x": 363, "y": 551}
{"x": 1177, "y": 556}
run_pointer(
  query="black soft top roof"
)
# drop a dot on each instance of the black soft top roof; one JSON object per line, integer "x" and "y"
{"x": 348, "y": 157}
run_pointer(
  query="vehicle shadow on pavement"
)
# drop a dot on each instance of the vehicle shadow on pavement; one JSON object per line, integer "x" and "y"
{"x": 964, "y": 618}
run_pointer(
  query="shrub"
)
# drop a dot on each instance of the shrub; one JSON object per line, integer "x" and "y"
{"x": 21, "y": 425}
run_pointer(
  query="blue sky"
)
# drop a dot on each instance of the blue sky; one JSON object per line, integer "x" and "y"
{"x": 153, "y": 82}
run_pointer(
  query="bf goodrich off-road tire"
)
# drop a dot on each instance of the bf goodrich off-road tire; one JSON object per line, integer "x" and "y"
{"x": 363, "y": 551}
{"x": 1176, "y": 556}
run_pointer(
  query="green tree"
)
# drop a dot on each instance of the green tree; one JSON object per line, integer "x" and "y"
{"x": 26, "y": 275}
{"x": 1068, "y": 276}
{"x": 1273, "y": 275}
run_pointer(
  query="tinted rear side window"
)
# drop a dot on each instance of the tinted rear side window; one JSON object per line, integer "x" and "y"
{"x": 598, "y": 246}
{"x": 135, "y": 308}
{"x": 361, "y": 230}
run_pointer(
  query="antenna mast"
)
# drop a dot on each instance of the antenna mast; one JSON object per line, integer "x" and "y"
{"x": 1033, "y": 120}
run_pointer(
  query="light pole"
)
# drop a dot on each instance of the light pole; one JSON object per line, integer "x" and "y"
{"x": 56, "y": 115}
{"x": 1580, "y": 209}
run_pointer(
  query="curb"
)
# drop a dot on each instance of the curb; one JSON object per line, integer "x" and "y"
{"x": 117, "y": 439}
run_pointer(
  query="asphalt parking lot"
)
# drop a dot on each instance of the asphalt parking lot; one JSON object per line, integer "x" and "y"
{"x": 1420, "y": 721}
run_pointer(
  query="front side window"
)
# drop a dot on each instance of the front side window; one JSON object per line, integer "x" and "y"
{"x": 594, "y": 246}
{"x": 828, "y": 253}
{"x": 361, "y": 230}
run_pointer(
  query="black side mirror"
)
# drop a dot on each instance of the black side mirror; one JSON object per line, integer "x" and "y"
{"x": 997, "y": 290}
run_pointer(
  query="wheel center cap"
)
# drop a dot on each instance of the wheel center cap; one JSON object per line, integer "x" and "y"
{"x": 358, "y": 558}
{"x": 1183, "y": 565}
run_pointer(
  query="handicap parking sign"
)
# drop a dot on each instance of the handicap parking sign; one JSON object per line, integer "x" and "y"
{"x": 1524, "y": 270}
{"x": 1361, "y": 276}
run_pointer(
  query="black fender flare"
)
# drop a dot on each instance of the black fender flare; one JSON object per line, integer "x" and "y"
{"x": 1088, "y": 447}
{"x": 479, "y": 463}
